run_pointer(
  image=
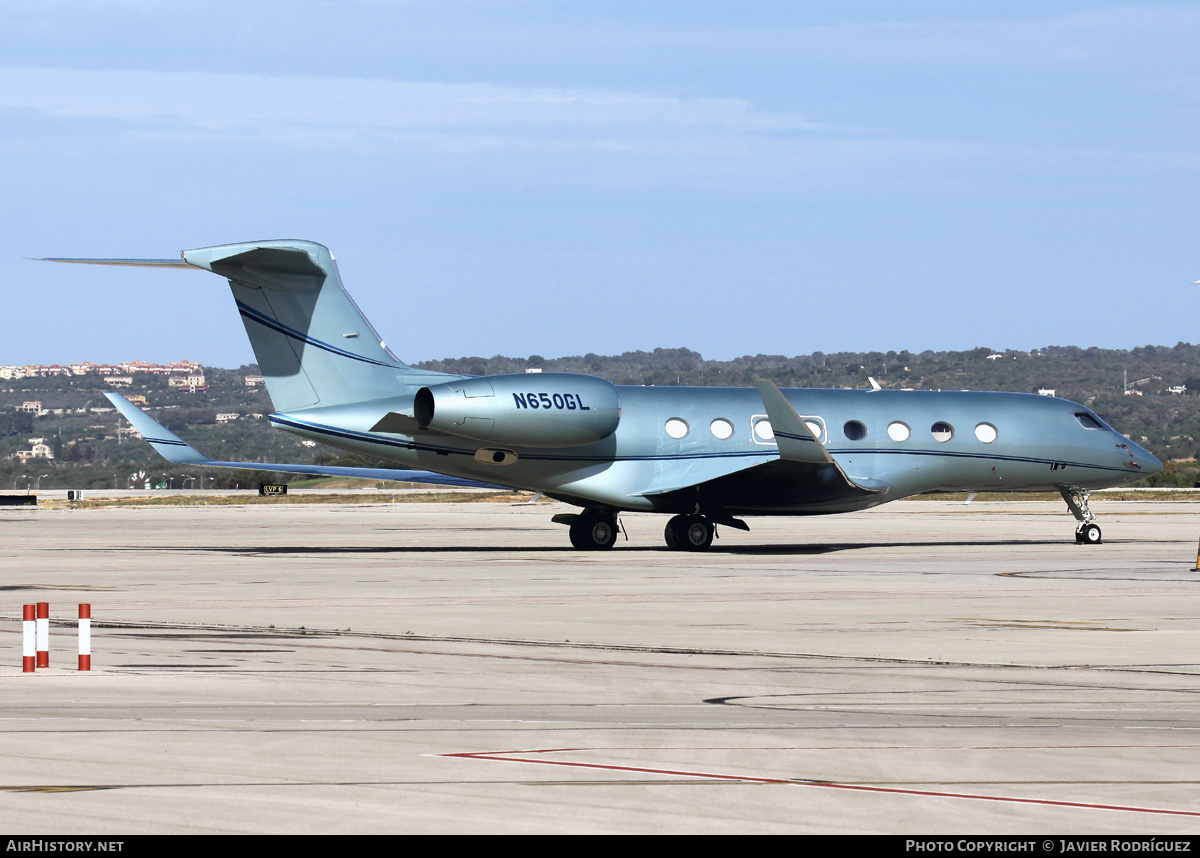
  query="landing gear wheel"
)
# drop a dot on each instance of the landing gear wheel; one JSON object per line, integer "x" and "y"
{"x": 1089, "y": 534}
{"x": 591, "y": 532}
{"x": 672, "y": 532}
{"x": 689, "y": 533}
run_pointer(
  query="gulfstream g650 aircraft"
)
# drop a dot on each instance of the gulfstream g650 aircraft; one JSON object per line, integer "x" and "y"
{"x": 703, "y": 455}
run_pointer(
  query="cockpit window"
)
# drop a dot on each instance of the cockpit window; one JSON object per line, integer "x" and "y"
{"x": 1088, "y": 421}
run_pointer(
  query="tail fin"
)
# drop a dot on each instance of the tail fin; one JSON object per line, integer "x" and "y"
{"x": 313, "y": 344}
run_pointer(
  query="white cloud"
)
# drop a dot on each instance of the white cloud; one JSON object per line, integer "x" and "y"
{"x": 216, "y": 102}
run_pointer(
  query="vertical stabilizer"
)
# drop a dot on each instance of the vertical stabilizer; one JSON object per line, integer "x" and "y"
{"x": 313, "y": 345}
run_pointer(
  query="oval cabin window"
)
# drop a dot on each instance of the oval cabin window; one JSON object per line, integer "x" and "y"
{"x": 898, "y": 431}
{"x": 676, "y": 428}
{"x": 986, "y": 432}
{"x": 942, "y": 432}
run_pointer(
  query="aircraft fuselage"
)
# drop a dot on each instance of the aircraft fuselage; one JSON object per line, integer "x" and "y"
{"x": 909, "y": 441}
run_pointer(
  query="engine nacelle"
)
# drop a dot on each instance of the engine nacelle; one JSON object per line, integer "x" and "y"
{"x": 551, "y": 409}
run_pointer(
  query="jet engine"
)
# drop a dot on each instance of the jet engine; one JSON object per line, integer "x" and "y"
{"x": 553, "y": 409}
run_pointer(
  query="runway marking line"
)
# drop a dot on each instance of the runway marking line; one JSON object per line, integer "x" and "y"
{"x": 509, "y": 757}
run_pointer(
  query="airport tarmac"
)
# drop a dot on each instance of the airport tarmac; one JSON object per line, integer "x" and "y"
{"x": 923, "y": 668}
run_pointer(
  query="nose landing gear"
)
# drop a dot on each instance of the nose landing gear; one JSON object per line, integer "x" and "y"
{"x": 1087, "y": 532}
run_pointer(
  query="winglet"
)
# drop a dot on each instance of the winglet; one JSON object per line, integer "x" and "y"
{"x": 796, "y": 441}
{"x": 165, "y": 442}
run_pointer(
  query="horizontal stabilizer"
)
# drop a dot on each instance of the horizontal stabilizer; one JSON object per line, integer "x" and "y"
{"x": 174, "y": 449}
{"x": 132, "y": 263}
{"x": 284, "y": 269}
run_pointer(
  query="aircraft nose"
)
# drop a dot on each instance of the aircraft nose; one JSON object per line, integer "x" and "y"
{"x": 1146, "y": 461}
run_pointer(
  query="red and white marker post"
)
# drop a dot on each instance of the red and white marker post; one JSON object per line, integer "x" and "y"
{"x": 43, "y": 634}
{"x": 35, "y": 636}
{"x": 85, "y": 637}
{"x": 28, "y": 636}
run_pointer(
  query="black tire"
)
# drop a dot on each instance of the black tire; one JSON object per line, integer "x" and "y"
{"x": 674, "y": 531}
{"x": 689, "y": 533}
{"x": 1089, "y": 534}
{"x": 594, "y": 532}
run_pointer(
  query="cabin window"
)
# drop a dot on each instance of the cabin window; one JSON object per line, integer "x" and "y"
{"x": 763, "y": 430}
{"x": 1087, "y": 421}
{"x": 721, "y": 428}
{"x": 941, "y": 431}
{"x": 676, "y": 427}
{"x": 986, "y": 432}
{"x": 854, "y": 430}
{"x": 898, "y": 431}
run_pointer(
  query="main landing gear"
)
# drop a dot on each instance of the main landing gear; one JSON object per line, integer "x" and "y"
{"x": 1087, "y": 532}
{"x": 597, "y": 529}
{"x": 689, "y": 532}
{"x": 594, "y": 530}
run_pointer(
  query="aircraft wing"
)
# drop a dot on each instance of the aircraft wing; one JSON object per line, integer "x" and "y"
{"x": 174, "y": 449}
{"x": 804, "y": 474}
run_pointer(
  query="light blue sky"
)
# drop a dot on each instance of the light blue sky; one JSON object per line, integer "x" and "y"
{"x": 562, "y": 178}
